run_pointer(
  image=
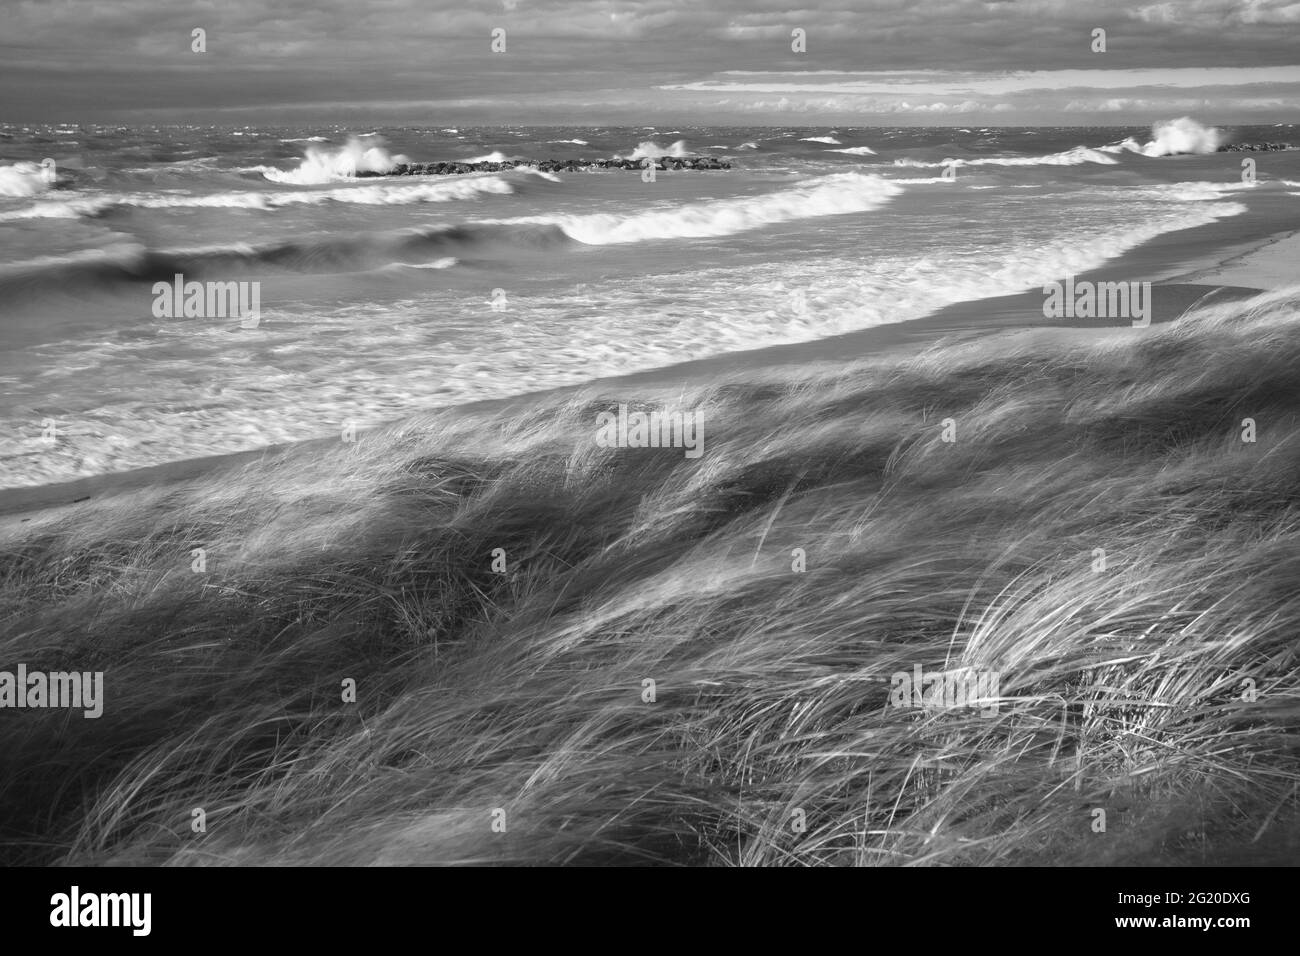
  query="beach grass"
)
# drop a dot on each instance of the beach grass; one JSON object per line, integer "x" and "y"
{"x": 695, "y": 660}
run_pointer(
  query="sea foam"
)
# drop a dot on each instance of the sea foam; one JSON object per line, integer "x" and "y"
{"x": 825, "y": 196}
{"x": 22, "y": 180}
{"x": 330, "y": 165}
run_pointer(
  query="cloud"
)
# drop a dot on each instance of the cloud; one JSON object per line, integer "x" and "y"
{"x": 943, "y": 92}
{"x": 77, "y": 60}
{"x": 1211, "y": 14}
{"x": 946, "y": 82}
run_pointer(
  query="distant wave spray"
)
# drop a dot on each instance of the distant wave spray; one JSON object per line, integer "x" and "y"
{"x": 1183, "y": 135}
{"x": 649, "y": 149}
{"x": 22, "y": 180}
{"x": 323, "y": 165}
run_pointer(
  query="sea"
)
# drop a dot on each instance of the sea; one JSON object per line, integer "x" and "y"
{"x": 379, "y": 297}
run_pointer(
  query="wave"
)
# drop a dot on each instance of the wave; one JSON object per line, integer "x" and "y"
{"x": 127, "y": 265}
{"x": 574, "y": 142}
{"x": 117, "y": 252}
{"x": 846, "y": 294}
{"x": 385, "y": 194}
{"x": 537, "y": 173}
{"x": 327, "y": 166}
{"x": 307, "y": 139}
{"x": 203, "y": 164}
{"x": 827, "y": 196}
{"x": 568, "y": 338}
{"x": 1183, "y": 135}
{"x": 829, "y": 140}
{"x": 445, "y": 262}
{"x": 1172, "y": 138}
{"x": 496, "y": 156}
{"x": 22, "y": 180}
{"x": 1126, "y": 145}
{"x": 67, "y": 208}
{"x": 1202, "y": 191}
{"x": 855, "y": 151}
{"x": 649, "y": 149}
{"x": 1070, "y": 157}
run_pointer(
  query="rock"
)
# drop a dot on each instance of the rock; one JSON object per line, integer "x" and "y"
{"x": 1253, "y": 147}
{"x": 570, "y": 165}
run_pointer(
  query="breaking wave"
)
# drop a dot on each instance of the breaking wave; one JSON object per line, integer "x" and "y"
{"x": 1183, "y": 135}
{"x": 827, "y": 196}
{"x": 1070, "y": 157}
{"x": 385, "y": 194}
{"x": 649, "y": 149}
{"x": 22, "y": 180}
{"x": 327, "y": 166}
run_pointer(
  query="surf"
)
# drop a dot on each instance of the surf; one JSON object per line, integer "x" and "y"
{"x": 1077, "y": 156}
{"x": 22, "y": 180}
{"x": 832, "y": 195}
{"x": 321, "y": 165}
{"x": 385, "y": 194}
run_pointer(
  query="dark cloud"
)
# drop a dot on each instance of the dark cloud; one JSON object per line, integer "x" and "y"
{"x": 131, "y": 59}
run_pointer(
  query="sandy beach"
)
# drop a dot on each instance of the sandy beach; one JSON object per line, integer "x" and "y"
{"x": 1272, "y": 265}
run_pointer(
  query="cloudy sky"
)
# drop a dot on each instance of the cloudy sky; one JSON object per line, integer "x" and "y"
{"x": 894, "y": 62}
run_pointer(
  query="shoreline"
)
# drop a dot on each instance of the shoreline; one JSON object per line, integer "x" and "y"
{"x": 1234, "y": 270}
{"x": 1264, "y": 265}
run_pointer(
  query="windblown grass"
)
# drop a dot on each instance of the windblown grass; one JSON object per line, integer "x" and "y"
{"x": 1121, "y": 689}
